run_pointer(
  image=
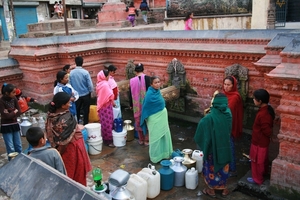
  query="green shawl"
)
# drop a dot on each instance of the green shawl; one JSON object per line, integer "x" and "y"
{"x": 213, "y": 133}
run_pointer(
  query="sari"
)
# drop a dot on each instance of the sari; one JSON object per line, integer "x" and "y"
{"x": 213, "y": 138}
{"x": 105, "y": 98}
{"x": 64, "y": 135}
{"x": 155, "y": 118}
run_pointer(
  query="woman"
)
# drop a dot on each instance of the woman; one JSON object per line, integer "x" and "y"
{"x": 137, "y": 90}
{"x": 113, "y": 85}
{"x": 10, "y": 110}
{"x": 144, "y": 9}
{"x": 235, "y": 104}
{"x": 261, "y": 134}
{"x": 155, "y": 117}
{"x": 188, "y": 21}
{"x": 64, "y": 135}
{"x": 105, "y": 103}
{"x": 213, "y": 138}
{"x": 131, "y": 13}
{"x": 61, "y": 84}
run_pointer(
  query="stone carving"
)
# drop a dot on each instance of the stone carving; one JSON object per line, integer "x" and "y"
{"x": 241, "y": 75}
{"x": 177, "y": 75}
{"x": 130, "y": 73}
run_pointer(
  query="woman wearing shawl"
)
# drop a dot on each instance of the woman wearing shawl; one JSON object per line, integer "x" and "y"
{"x": 155, "y": 117}
{"x": 235, "y": 104}
{"x": 105, "y": 103}
{"x": 138, "y": 87}
{"x": 213, "y": 138}
{"x": 64, "y": 135}
{"x": 113, "y": 85}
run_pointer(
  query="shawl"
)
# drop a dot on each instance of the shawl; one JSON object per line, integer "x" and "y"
{"x": 213, "y": 133}
{"x": 103, "y": 90}
{"x": 138, "y": 91}
{"x": 235, "y": 104}
{"x": 60, "y": 128}
{"x": 112, "y": 83}
{"x": 153, "y": 103}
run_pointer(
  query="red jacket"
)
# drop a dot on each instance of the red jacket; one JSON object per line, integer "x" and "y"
{"x": 262, "y": 128}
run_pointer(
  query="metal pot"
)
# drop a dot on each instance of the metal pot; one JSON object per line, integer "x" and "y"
{"x": 25, "y": 125}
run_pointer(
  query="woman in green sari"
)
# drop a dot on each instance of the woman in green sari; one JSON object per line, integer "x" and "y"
{"x": 213, "y": 138}
{"x": 155, "y": 117}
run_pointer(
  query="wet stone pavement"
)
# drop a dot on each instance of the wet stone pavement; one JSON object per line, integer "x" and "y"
{"x": 133, "y": 157}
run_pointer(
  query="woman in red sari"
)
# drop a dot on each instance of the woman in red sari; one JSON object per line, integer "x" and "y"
{"x": 64, "y": 135}
{"x": 235, "y": 103}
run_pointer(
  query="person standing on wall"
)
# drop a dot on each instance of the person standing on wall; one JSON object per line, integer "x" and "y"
{"x": 81, "y": 81}
{"x": 131, "y": 13}
{"x": 188, "y": 21}
{"x": 144, "y": 9}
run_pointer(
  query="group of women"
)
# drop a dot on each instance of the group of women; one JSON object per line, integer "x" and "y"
{"x": 218, "y": 130}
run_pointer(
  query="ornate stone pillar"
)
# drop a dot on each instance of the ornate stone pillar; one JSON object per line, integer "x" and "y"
{"x": 285, "y": 80}
{"x": 271, "y": 15}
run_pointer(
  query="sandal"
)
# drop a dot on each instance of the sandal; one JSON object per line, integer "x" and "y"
{"x": 140, "y": 142}
{"x": 225, "y": 193}
{"x": 146, "y": 143}
{"x": 111, "y": 145}
{"x": 207, "y": 191}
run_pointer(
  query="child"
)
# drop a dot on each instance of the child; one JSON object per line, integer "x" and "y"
{"x": 10, "y": 110}
{"x": 261, "y": 134}
{"x": 131, "y": 13}
{"x": 37, "y": 139}
{"x": 23, "y": 100}
{"x": 144, "y": 9}
{"x": 188, "y": 21}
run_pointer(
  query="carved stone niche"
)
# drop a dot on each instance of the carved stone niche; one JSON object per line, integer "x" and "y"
{"x": 177, "y": 74}
{"x": 241, "y": 74}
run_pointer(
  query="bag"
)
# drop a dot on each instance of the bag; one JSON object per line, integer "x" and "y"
{"x": 23, "y": 104}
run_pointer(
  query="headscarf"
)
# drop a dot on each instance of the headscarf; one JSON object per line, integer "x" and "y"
{"x": 153, "y": 103}
{"x": 60, "y": 128}
{"x": 104, "y": 92}
{"x": 213, "y": 133}
{"x": 235, "y": 103}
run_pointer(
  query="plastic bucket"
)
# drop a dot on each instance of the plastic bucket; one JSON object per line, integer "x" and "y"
{"x": 119, "y": 138}
{"x": 95, "y": 146}
{"x": 94, "y": 131}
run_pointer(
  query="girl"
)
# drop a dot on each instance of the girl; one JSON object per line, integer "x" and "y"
{"x": 131, "y": 13}
{"x": 61, "y": 84}
{"x": 261, "y": 133}
{"x": 10, "y": 110}
{"x": 189, "y": 21}
{"x": 105, "y": 103}
{"x": 64, "y": 134}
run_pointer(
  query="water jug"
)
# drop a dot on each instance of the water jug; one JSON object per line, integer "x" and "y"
{"x": 179, "y": 170}
{"x": 137, "y": 186}
{"x": 152, "y": 177}
{"x": 130, "y": 130}
{"x": 176, "y": 152}
{"x": 118, "y": 125}
{"x": 191, "y": 179}
{"x": 97, "y": 176}
{"x": 25, "y": 125}
{"x": 41, "y": 123}
{"x": 198, "y": 156}
{"x": 34, "y": 122}
{"x": 167, "y": 175}
{"x": 188, "y": 162}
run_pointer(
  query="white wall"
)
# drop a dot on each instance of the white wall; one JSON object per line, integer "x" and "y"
{"x": 259, "y": 14}
{"x": 42, "y": 12}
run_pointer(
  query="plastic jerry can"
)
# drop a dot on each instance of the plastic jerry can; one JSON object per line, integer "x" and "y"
{"x": 191, "y": 179}
{"x": 152, "y": 177}
{"x": 137, "y": 186}
{"x": 198, "y": 156}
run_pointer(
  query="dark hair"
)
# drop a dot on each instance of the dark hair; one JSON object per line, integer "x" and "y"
{"x": 106, "y": 73}
{"x": 187, "y": 15}
{"x": 229, "y": 78}
{"x": 139, "y": 67}
{"x": 59, "y": 99}
{"x": 264, "y": 96}
{"x": 7, "y": 88}
{"x": 33, "y": 135}
{"x": 66, "y": 67}
{"x": 220, "y": 95}
{"x": 79, "y": 61}
{"x": 59, "y": 76}
{"x": 111, "y": 68}
{"x": 152, "y": 78}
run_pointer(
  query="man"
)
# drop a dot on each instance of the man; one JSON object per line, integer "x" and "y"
{"x": 81, "y": 81}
